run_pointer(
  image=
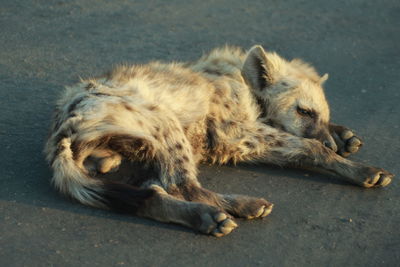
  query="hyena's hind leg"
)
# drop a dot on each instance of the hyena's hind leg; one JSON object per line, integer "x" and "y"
{"x": 237, "y": 205}
{"x": 204, "y": 218}
{"x": 161, "y": 206}
{"x": 163, "y": 147}
{"x": 347, "y": 142}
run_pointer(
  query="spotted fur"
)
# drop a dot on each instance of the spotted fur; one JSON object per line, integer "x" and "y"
{"x": 160, "y": 120}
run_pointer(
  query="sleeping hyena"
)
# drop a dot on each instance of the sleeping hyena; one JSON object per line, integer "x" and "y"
{"x": 163, "y": 119}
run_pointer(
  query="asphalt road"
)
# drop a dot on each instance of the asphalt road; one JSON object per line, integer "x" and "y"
{"x": 317, "y": 221}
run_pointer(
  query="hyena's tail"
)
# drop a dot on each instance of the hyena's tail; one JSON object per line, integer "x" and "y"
{"x": 74, "y": 181}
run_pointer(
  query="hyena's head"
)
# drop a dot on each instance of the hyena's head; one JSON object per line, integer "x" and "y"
{"x": 290, "y": 94}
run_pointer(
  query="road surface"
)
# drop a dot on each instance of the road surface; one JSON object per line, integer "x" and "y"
{"x": 317, "y": 221}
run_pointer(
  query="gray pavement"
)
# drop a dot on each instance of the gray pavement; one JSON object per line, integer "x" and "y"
{"x": 317, "y": 221}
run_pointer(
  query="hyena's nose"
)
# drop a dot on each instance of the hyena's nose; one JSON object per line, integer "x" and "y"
{"x": 330, "y": 144}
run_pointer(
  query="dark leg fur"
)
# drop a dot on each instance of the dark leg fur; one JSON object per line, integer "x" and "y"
{"x": 155, "y": 203}
{"x": 125, "y": 198}
{"x": 236, "y": 205}
{"x": 201, "y": 217}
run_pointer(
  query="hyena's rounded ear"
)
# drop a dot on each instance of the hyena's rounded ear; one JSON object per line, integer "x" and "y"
{"x": 323, "y": 79}
{"x": 256, "y": 69}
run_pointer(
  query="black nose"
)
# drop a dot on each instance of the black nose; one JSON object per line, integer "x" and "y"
{"x": 330, "y": 145}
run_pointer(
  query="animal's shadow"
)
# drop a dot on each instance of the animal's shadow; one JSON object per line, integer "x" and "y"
{"x": 291, "y": 172}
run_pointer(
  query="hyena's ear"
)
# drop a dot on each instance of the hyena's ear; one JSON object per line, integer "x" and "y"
{"x": 257, "y": 70}
{"x": 323, "y": 78}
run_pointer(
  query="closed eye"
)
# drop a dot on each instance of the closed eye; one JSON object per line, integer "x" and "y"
{"x": 305, "y": 112}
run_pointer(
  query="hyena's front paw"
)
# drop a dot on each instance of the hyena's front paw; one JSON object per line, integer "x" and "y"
{"x": 347, "y": 142}
{"x": 249, "y": 207}
{"x": 375, "y": 177}
{"x": 216, "y": 223}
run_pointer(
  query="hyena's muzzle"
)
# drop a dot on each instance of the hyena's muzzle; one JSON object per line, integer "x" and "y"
{"x": 320, "y": 131}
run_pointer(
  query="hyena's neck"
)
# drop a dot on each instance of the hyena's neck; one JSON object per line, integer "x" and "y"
{"x": 223, "y": 68}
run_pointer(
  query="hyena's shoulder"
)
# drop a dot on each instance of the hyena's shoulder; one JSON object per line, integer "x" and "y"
{"x": 224, "y": 61}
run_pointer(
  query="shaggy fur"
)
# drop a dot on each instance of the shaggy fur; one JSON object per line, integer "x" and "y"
{"x": 161, "y": 120}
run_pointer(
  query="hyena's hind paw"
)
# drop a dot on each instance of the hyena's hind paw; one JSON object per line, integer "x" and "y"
{"x": 347, "y": 142}
{"x": 217, "y": 224}
{"x": 247, "y": 207}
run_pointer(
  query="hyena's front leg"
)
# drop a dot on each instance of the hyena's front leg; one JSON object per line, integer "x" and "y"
{"x": 266, "y": 144}
{"x": 347, "y": 142}
{"x": 302, "y": 152}
{"x": 323, "y": 158}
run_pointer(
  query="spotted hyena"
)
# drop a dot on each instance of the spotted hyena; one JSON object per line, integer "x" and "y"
{"x": 161, "y": 120}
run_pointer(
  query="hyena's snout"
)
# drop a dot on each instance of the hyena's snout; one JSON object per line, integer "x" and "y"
{"x": 328, "y": 140}
{"x": 330, "y": 144}
{"x": 320, "y": 131}
{"x": 323, "y": 135}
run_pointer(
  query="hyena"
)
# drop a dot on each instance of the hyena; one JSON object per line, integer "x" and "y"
{"x": 163, "y": 119}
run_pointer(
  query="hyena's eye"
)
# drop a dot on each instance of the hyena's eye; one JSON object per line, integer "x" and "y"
{"x": 305, "y": 112}
{"x": 284, "y": 84}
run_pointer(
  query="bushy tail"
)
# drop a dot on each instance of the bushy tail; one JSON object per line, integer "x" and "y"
{"x": 74, "y": 181}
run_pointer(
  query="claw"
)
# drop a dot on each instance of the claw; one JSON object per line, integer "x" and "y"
{"x": 347, "y": 142}
{"x": 346, "y": 135}
{"x": 220, "y": 217}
